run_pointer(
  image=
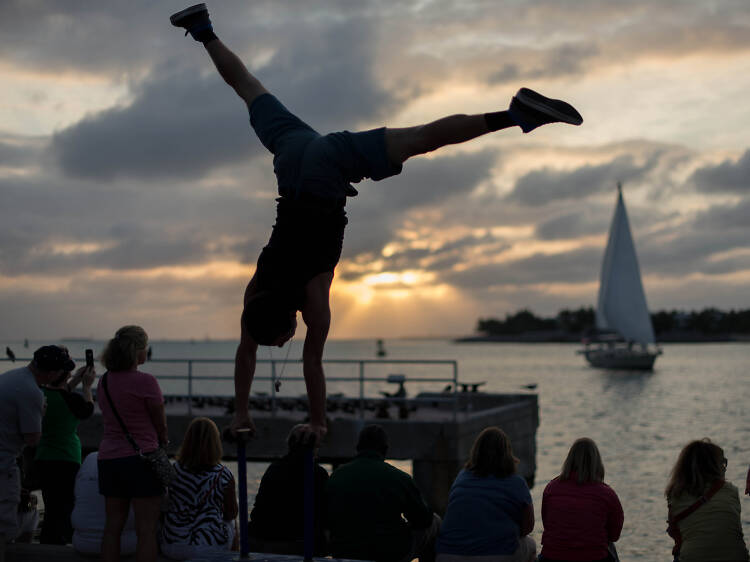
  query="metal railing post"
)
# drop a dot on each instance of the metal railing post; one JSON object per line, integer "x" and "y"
{"x": 455, "y": 391}
{"x": 362, "y": 390}
{"x": 190, "y": 387}
{"x": 273, "y": 387}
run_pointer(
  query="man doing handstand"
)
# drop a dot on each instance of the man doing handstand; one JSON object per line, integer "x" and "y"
{"x": 314, "y": 174}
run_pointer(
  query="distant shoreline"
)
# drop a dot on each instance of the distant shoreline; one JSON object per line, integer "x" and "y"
{"x": 561, "y": 337}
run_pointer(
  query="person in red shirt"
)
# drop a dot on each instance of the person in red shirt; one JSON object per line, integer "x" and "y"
{"x": 581, "y": 514}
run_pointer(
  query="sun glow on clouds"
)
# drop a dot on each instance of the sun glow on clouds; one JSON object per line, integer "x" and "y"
{"x": 39, "y": 103}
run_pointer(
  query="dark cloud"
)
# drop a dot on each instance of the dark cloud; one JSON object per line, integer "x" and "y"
{"x": 572, "y": 225}
{"x": 132, "y": 225}
{"x": 180, "y": 125}
{"x": 568, "y": 267}
{"x": 16, "y": 151}
{"x": 424, "y": 183}
{"x": 540, "y": 187}
{"x": 184, "y": 123}
{"x": 730, "y": 176}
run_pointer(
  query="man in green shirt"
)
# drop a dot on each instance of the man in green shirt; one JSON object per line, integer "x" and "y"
{"x": 375, "y": 511}
{"x": 58, "y": 455}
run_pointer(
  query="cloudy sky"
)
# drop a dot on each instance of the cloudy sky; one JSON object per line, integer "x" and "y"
{"x": 132, "y": 189}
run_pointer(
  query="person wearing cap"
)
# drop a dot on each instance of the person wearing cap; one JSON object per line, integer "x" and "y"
{"x": 58, "y": 455}
{"x": 21, "y": 411}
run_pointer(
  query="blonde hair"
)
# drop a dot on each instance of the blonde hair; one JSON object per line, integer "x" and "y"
{"x": 700, "y": 463}
{"x": 121, "y": 352}
{"x": 583, "y": 459}
{"x": 491, "y": 454}
{"x": 201, "y": 447}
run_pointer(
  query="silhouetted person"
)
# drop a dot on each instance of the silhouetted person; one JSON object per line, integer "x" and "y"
{"x": 277, "y": 522}
{"x": 314, "y": 174}
{"x": 375, "y": 510}
{"x": 581, "y": 514}
{"x": 713, "y": 529}
{"x": 21, "y": 412}
{"x": 490, "y": 513}
{"x": 10, "y": 354}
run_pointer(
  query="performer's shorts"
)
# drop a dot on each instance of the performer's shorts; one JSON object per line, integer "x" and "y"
{"x": 307, "y": 162}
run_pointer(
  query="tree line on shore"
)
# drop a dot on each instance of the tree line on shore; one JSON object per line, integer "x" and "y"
{"x": 709, "y": 322}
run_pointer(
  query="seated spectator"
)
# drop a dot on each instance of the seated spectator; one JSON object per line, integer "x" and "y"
{"x": 703, "y": 508}
{"x": 202, "y": 500}
{"x": 277, "y": 522}
{"x": 367, "y": 501}
{"x": 580, "y": 513}
{"x": 58, "y": 455}
{"x": 89, "y": 514}
{"x": 490, "y": 513}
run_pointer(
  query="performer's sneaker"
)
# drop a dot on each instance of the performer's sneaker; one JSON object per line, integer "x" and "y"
{"x": 530, "y": 110}
{"x": 193, "y": 19}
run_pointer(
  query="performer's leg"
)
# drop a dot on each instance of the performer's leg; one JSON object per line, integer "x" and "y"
{"x": 196, "y": 21}
{"x": 401, "y": 144}
{"x": 528, "y": 110}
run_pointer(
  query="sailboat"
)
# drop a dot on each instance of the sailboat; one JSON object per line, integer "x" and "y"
{"x": 625, "y": 335}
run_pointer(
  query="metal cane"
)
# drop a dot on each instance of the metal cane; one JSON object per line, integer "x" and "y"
{"x": 309, "y": 506}
{"x": 242, "y": 436}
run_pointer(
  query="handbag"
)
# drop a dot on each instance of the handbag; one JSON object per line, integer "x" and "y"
{"x": 156, "y": 460}
{"x": 673, "y": 529}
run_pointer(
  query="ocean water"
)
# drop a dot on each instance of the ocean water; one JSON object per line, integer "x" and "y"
{"x": 639, "y": 420}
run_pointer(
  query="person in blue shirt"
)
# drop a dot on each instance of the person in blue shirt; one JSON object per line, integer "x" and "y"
{"x": 490, "y": 513}
{"x": 314, "y": 174}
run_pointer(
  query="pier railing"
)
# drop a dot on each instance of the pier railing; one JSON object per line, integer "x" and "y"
{"x": 450, "y": 398}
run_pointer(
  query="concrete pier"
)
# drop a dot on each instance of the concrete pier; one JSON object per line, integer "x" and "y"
{"x": 436, "y": 436}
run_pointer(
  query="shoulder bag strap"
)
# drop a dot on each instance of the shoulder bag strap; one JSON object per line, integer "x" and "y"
{"x": 117, "y": 415}
{"x": 699, "y": 502}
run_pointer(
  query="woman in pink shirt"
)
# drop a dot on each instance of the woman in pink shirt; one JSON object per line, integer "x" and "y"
{"x": 580, "y": 513}
{"x": 124, "y": 477}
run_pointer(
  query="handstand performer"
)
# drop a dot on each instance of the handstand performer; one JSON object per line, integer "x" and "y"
{"x": 314, "y": 173}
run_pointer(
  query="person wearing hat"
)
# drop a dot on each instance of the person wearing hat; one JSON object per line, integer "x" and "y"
{"x": 21, "y": 411}
{"x": 58, "y": 455}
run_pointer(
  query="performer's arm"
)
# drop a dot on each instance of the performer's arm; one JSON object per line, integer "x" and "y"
{"x": 234, "y": 72}
{"x": 244, "y": 371}
{"x": 317, "y": 316}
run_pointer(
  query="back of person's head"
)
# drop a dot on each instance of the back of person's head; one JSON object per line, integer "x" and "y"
{"x": 201, "y": 447}
{"x": 491, "y": 454}
{"x": 267, "y": 317}
{"x": 583, "y": 461}
{"x": 121, "y": 352}
{"x": 700, "y": 463}
{"x": 297, "y": 441}
{"x": 373, "y": 438}
{"x": 50, "y": 358}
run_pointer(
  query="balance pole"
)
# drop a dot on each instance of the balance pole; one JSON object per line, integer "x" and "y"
{"x": 242, "y": 436}
{"x": 309, "y": 505}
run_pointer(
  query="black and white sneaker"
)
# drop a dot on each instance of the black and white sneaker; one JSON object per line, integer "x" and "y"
{"x": 530, "y": 110}
{"x": 192, "y": 19}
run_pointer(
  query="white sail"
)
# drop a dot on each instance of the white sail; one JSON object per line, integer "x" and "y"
{"x": 622, "y": 302}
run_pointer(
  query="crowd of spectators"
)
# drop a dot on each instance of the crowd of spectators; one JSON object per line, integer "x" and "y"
{"x": 114, "y": 503}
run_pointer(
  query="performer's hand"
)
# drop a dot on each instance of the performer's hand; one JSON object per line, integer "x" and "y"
{"x": 242, "y": 421}
{"x": 312, "y": 433}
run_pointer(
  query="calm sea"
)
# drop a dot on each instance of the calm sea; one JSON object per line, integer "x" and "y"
{"x": 639, "y": 420}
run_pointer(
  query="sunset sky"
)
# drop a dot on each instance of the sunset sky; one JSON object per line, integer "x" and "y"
{"x": 133, "y": 190}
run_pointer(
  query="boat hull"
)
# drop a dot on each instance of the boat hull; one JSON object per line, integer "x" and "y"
{"x": 621, "y": 359}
